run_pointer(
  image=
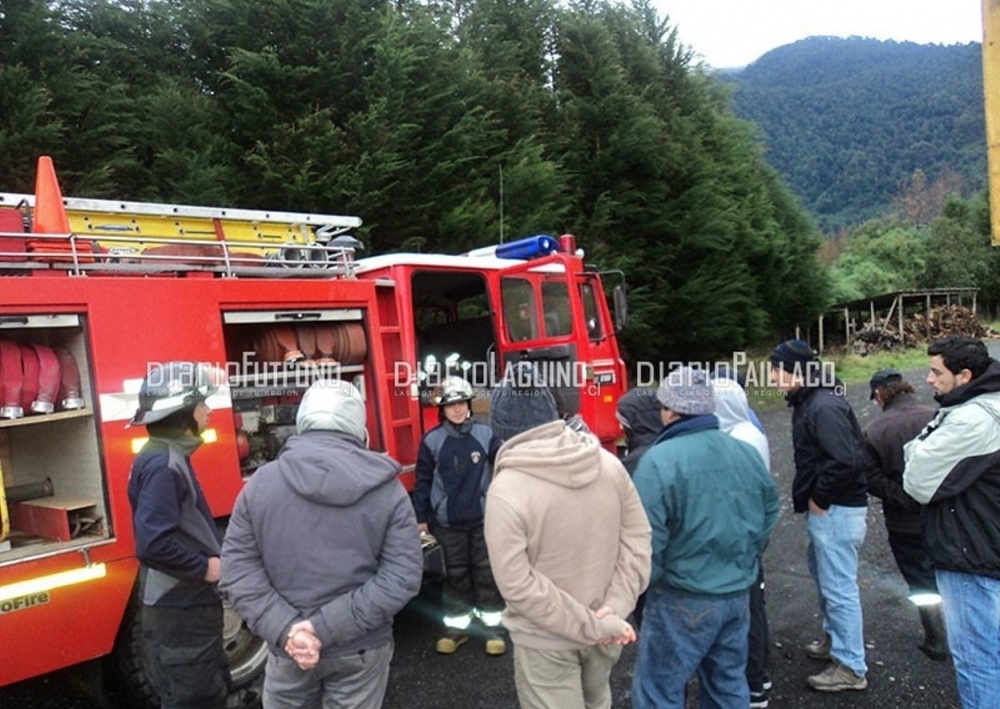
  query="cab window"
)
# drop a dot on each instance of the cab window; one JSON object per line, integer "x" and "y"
{"x": 519, "y": 309}
{"x": 555, "y": 304}
{"x": 591, "y": 314}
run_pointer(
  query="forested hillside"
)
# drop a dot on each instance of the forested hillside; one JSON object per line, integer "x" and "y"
{"x": 443, "y": 125}
{"x": 847, "y": 122}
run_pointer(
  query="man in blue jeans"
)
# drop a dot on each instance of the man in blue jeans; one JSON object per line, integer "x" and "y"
{"x": 953, "y": 468}
{"x": 712, "y": 505}
{"x": 831, "y": 489}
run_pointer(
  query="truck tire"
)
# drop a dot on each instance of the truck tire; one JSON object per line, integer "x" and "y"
{"x": 130, "y": 685}
{"x": 246, "y": 652}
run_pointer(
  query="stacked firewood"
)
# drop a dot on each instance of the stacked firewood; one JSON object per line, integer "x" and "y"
{"x": 920, "y": 327}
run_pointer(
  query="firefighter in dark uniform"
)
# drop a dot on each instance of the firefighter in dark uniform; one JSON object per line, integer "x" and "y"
{"x": 454, "y": 468}
{"x": 177, "y": 542}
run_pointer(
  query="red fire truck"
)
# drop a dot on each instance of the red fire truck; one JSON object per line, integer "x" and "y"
{"x": 94, "y": 292}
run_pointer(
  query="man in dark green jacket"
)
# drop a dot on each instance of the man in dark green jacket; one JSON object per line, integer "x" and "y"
{"x": 712, "y": 505}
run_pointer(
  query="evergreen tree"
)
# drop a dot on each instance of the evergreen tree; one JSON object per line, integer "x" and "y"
{"x": 31, "y": 54}
{"x": 445, "y": 125}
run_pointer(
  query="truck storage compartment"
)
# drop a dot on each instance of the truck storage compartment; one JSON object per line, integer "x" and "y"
{"x": 274, "y": 356}
{"x": 50, "y": 459}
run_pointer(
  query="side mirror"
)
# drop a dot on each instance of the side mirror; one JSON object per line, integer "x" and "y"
{"x": 621, "y": 307}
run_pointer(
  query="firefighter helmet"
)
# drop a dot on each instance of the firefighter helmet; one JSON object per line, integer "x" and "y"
{"x": 171, "y": 387}
{"x": 453, "y": 390}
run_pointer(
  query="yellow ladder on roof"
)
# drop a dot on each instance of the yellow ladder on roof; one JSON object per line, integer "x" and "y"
{"x": 96, "y": 218}
{"x": 97, "y": 234}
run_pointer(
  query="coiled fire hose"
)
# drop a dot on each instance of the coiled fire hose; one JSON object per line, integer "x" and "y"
{"x": 70, "y": 396}
{"x": 49, "y": 380}
{"x": 11, "y": 380}
{"x": 29, "y": 385}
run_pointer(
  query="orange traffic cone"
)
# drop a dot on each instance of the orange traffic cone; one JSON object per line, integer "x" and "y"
{"x": 50, "y": 213}
{"x": 51, "y": 218}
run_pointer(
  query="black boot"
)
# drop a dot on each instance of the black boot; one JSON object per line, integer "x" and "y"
{"x": 935, "y": 644}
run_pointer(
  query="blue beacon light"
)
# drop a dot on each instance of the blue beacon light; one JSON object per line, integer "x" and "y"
{"x": 528, "y": 248}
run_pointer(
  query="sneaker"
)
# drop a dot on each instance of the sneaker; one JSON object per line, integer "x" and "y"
{"x": 758, "y": 700}
{"x": 495, "y": 645}
{"x": 451, "y": 642}
{"x": 819, "y": 649}
{"x": 767, "y": 683}
{"x": 837, "y": 678}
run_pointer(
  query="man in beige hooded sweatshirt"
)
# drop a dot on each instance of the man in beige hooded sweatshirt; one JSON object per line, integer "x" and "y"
{"x": 569, "y": 544}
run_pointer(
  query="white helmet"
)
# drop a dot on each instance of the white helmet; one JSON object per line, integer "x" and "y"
{"x": 453, "y": 390}
{"x": 174, "y": 386}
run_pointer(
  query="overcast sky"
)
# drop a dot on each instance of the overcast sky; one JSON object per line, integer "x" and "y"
{"x": 733, "y": 33}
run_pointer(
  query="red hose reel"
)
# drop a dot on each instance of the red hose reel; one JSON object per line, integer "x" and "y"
{"x": 35, "y": 378}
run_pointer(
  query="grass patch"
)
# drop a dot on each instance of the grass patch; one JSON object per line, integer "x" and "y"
{"x": 849, "y": 368}
{"x": 855, "y": 368}
{"x": 765, "y": 399}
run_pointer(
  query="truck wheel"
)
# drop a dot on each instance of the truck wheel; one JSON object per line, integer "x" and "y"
{"x": 246, "y": 652}
{"x": 247, "y": 656}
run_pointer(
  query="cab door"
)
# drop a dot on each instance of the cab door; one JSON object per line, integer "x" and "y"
{"x": 538, "y": 316}
{"x": 551, "y": 313}
{"x": 606, "y": 370}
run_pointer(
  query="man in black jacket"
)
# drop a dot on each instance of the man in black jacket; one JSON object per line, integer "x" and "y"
{"x": 830, "y": 488}
{"x": 639, "y": 414}
{"x": 903, "y": 417}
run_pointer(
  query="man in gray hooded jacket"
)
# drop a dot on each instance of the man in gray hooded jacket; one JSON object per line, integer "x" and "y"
{"x": 321, "y": 552}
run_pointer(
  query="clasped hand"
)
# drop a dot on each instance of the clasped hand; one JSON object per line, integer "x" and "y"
{"x": 302, "y": 645}
{"x": 627, "y": 634}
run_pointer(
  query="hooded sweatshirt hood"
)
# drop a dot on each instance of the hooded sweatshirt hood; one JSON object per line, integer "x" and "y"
{"x": 639, "y": 412}
{"x": 733, "y": 411}
{"x": 552, "y": 452}
{"x": 333, "y": 468}
{"x": 731, "y": 406}
{"x": 333, "y": 405}
{"x": 986, "y": 383}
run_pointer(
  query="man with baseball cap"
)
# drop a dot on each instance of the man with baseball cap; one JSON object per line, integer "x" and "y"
{"x": 901, "y": 420}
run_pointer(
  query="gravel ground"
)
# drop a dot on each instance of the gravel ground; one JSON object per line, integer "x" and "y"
{"x": 899, "y": 675}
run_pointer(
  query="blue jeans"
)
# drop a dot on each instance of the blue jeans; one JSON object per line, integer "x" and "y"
{"x": 681, "y": 636}
{"x": 972, "y": 616}
{"x": 834, "y": 542}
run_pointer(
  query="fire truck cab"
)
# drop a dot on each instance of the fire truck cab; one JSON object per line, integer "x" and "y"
{"x": 477, "y": 314}
{"x": 96, "y": 292}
